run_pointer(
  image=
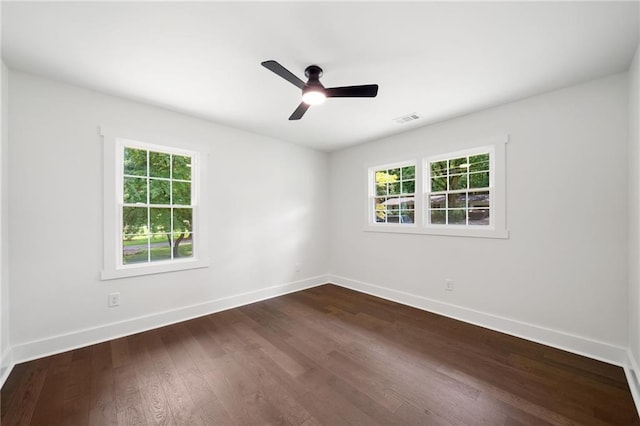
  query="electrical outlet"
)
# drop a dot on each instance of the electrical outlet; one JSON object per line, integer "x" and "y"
{"x": 114, "y": 299}
{"x": 448, "y": 284}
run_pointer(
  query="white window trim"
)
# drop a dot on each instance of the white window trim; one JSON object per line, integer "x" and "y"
{"x": 371, "y": 191}
{"x": 113, "y": 268}
{"x": 498, "y": 226}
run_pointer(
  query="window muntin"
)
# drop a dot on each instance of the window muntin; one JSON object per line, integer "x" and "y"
{"x": 392, "y": 189}
{"x": 459, "y": 190}
{"x": 156, "y": 207}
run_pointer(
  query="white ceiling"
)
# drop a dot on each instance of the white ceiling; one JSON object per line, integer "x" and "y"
{"x": 436, "y": 59}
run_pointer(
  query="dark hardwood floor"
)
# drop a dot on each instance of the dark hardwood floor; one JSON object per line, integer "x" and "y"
{"x": 326, "y": 356}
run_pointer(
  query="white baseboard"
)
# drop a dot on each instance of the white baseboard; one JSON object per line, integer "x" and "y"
{"x": 602, "y": 351}
{"x": 6, "y": 365}
{"x": 632, "y": 372}
{"x": 81, "y": 338}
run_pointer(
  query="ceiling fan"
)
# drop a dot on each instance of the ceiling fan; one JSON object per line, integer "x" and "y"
{"x": 313, "y": 92}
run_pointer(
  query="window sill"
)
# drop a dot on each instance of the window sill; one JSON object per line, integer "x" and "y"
{"x": 414, "y": 229}
{"x": 146, "y": 269}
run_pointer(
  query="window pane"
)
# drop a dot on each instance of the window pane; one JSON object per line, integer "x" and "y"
{"x": 438, "y": 201}
{"x": 159, "y": 164}
{"x": 134, "y": 190}
{"x": 185, "y": 248}
{"x": 457, "y": 182}
{"x": 181, "y": 167}
{"x": 406, "y": 216}
{"x": 438, "y": 217}
{"x": 383, "y": 177}
{"x": 135, "y": 162}
{"x": 160, "y": 247}
{"x": 479, "y": 217}
{"x": 407, "y": 203}
{"x": 457, "y": 217}
{"x": 479, "y": 180}
{"x": 408, "y": 172}
{"x": 408, "y": 187}
{"x": 479, "y": 163}
{"x": 159, "y": 191}
{"x": 394, "y": 175}
{"x": 438, "y": 184}
{"x": 458, "y": 165}
{"x": 135, "y": 250}
{"x": 393, "y": 202}
{"x": 393, "y": 217}
{"x": 394, "y": 188}
{"x": 457, "y": 200}
{"x": 134, "y": 220}
{"x": 160, "y": 220}
{"x": 182, "y": 193}
{"x": 439, "y": 168}
{"x": 479, "y": 199}
{"x": 381, "y": 189}
{"x": 182, "y": 221}
{"x": 379, "y": 209}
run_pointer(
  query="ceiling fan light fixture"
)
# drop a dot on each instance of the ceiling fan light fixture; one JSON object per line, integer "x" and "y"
{"x": 313, "y": 97}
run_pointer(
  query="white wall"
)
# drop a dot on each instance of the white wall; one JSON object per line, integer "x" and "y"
{"x": 561, "y": 277}
{"x": 268, "y": 212}
{"x": 5, "y": 355}
{"x": 634, "y": 214}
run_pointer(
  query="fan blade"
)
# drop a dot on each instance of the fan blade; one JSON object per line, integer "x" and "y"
{"x": 299, "y": 112}
{"x": 364, "y": 91}
{"x": 284, "y": 73}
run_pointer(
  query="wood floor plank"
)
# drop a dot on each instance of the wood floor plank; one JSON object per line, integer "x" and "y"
{"x": 77, "y": 393}
{"x": 331, "y": 408}
{"x": 102, "y": 411}
{"x": 48, "y": 409}
{"x": 322, "y": 356}
{"x": 101, "y": 366}
{"x": 360, "y": 377}
{"x": 197, "y": 344}
{"x": 154, "y": 402}
{"x": 546, "y": 414}
{"x": 10, "y": 387}
{"x": 178, "y": 395}
{"x": 280, "y": 357}
{"x": 292, "y": 411}
{"x": 23, "y": 403}
{"x": 128, "y": 399}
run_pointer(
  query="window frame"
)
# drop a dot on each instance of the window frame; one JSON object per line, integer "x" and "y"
{"x": 498, "y": 224}
{"x": 372, "y": 194}
{"x": 113, "y": 267}
{"x": 426, "y": 167}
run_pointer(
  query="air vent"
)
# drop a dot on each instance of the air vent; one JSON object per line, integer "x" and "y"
{"x": 406, "y": 118}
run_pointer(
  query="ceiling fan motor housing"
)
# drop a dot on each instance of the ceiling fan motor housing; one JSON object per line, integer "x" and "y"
{"x": 313, "y": 71}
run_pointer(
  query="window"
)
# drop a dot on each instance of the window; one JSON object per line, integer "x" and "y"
{"x": 157, "y": 213}
{"x": 463, "y": 193}
{"x": 152, "y": 208}
{"x": 459, "y": 189}
{"x": 392, "y": 193}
